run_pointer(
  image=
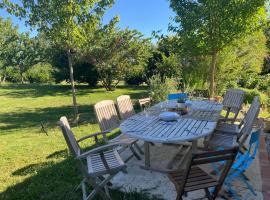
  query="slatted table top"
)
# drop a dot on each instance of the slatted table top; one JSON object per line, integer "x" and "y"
{"x": 199, "y": 122}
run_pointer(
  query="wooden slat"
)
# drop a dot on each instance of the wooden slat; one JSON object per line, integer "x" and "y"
{"x": 106, "y": 115}
{"x": 125, "y": 106}
{"x": 184, "y": 129}
{"x": 207, "y": 185}
{"x": 194, "y": 178}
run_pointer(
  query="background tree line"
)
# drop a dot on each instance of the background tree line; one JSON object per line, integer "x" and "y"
{"x": 215, "y": 44}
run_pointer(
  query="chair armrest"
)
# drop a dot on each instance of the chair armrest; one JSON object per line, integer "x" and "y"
{"x": 93, "y": 135}
{"x": 98, "y": 150}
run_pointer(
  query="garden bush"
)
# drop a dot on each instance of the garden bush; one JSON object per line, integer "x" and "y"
{"x": 40, "y": 73}
{"x": 12, "y": 74}
{"x": 264, "y": 82}
{"x": 135, "y": 78}
{"x": 86, "y": 73}
{"x": 251, "y": 93}
{"x": 158, "y": 89}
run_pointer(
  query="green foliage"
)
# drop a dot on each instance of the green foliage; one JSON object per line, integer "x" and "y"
{"x": 19, "y": 51}
{"x": 86, "y": 73}
{"x": 159, "y": 89}
{"x": 241, "y": 62}
{"x": 207, "y": 27}
{"x": 264, "y": 82}
{"x": 135, "y": 77}
{"x": 165, "y": 59}
{"x": 169, "y": 67}
{"x": 195, "y": 72}
{"x": 12, "y": 74}
{"x": 116, "y": 53}
{"x": 26, "y": 54}
{"x": 8, "y": 40}
{"x": 61, "y": 21}
{"x": 40, "y": 73}
{"x": 251, "y": 93}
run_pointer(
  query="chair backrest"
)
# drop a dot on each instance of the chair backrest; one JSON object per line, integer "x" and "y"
{"x": 125, "y": 106}
{"x": 73, "y": 145}
{"x": 250, "y": 119}
{"x": 226, "y": 156}
{"x": 177, "y": 96}
{"x": 233, "y": 100}
{"x": 144, "y": 102}
{"x": 69, "y": 137}
{"x": 106, "y": 115}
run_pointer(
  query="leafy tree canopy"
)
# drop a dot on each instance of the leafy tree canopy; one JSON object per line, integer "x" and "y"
{"x": 59, "y": 20}
{"x": 116, "y": 52}
{"x": 205, "y": 27}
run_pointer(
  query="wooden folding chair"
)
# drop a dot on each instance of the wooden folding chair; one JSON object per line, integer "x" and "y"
{"x": 144, "y": 102}
{"x": 193, "y": 177}
{"x": 108, "y": 120}
{"x": 98, "y": 166}
{"x": 232, "y": 103}
{"x": 125, "y": 106}
{"x": 229, "y": 137}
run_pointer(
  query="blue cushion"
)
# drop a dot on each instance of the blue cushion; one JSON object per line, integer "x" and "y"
{"x": 177, "y": 96}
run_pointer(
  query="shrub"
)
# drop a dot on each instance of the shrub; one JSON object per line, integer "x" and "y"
{"x": 251, "y": 93}
{"x": 135, "y": 78}
{"x": 249, "y": 80}
{"x": 86, "y": 73}
{"x": 12, "y": 74}
{"x": 264, "y": 82}
{"x": 158, "y": 89}
{"x": 40, "y": 73}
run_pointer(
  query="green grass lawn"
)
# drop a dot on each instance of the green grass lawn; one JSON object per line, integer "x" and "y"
{"x": 34, "y": 165}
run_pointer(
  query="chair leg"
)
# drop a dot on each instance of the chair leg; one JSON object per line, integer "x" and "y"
{"x": 80, "y": 185}
{"x": 97, "y": 189}
{"x": 233, "y": 192}
{"x": 135, "y": 153}
{"x": 138, "y": 148}
{"x": 208, "y": 194}
{"x": 243, "y": 178}
{"x": 107, "y": 192}
{"x": 179, "y": 197}
{"x": 102, "y": 179}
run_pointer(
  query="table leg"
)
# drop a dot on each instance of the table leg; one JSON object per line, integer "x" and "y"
{"x": 146, "y": 154}
{"x": 194, "y": 146}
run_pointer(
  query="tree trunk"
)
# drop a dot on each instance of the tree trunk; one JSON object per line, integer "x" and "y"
{"x": 22, "y": 80}
{"x": 75, "y": 106}
{"x": 213, "y": 74}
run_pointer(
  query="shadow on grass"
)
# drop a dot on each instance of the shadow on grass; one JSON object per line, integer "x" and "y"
{"x": 58, "y": 154}
{"x": 55, "y": 181}
{"x": 35, "y": 90}
{"x": 48, "y": 116}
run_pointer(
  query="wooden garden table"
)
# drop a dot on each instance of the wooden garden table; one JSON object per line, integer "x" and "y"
{"x": 200, "y": 121}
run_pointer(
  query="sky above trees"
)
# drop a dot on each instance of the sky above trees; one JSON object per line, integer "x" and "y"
{"x": 145, "y": 16}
